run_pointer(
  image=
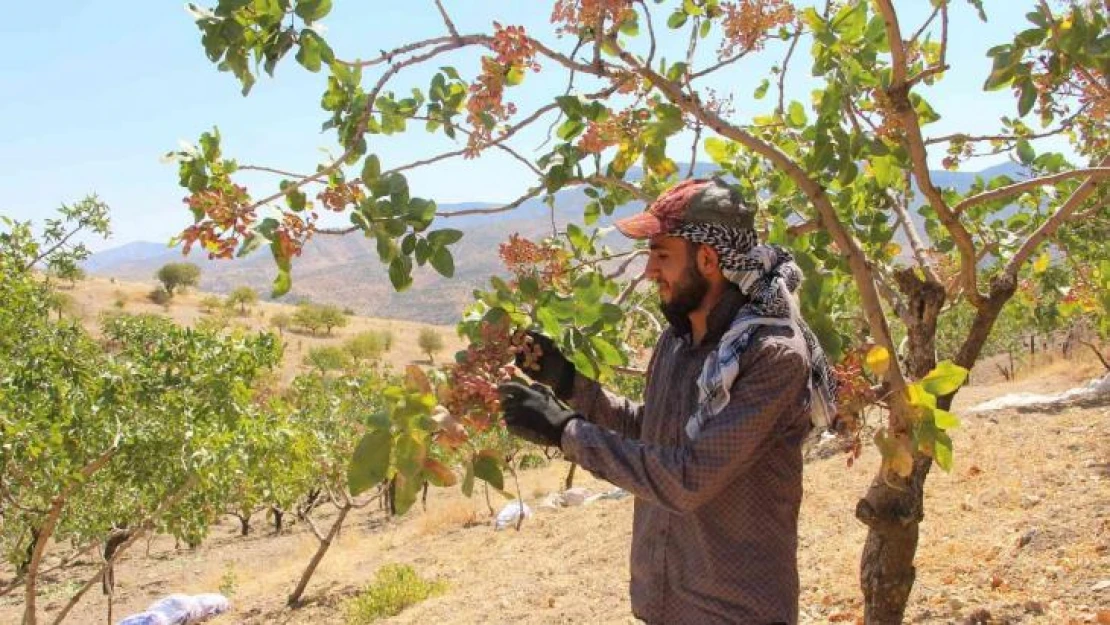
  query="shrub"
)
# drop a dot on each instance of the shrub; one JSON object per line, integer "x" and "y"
{"x": 327, "y": 358}
{"x": 368, "y": 345}
{"x": 243, "y": 297}
{"x": 430, "y": 342}
{"x": 395, "y": 587}
{"x": 211, "y": 303}
{"x": 281, "y": 321}
{"x": 178, "y": 276}
{"x": 160, "y": 296}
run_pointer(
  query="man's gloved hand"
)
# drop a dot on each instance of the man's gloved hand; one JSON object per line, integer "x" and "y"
{"x": 551, "y": 368}
{"x": 534, "y": 414}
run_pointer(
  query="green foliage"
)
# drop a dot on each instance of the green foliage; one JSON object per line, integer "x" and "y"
{"x": 211, "y": 303}
{"x": 430, "y": 342}
{"x": 369, "y": 345}
{"x": 327, "y": 358}
{"x": 281, "y": 321}
{"x": 174, "y": 276}
{"x": 244, "y": 297}
{"x": 395, "y": 587}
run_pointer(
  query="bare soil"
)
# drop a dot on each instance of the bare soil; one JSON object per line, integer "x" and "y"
{"x": 1018, "y": 532}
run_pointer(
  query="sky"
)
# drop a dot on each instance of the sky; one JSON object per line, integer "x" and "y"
{"x": 96, "y": 92}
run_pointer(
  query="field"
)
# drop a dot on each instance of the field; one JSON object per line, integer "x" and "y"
{"x": 1018, "y": 532}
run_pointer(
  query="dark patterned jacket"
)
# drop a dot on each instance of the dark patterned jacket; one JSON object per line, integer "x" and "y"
{"x": 715, "y": 532}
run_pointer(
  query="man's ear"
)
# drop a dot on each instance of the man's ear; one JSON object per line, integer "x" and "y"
{"x": 708, "y": 260}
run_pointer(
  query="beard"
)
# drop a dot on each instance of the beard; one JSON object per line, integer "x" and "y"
{"x": 686, "y": 295}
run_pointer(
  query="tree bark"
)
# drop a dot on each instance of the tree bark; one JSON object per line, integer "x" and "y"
{"x": 894, "y": 507}
{"x": 892, "y": 510}
{"x": 325, "y": 544}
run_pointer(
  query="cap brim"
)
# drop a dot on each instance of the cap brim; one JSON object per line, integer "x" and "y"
{"x": 642, "y": 226}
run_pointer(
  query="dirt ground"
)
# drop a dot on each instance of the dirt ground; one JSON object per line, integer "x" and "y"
{"x": 1018, "y": 532}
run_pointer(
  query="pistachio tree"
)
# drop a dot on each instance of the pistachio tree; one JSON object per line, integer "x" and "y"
{"x": 633, "y": 90}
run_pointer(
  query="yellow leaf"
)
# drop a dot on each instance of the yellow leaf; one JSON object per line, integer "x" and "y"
{"x": 878, "y": 360}
{"x": 1041, "y": 264}
{"x": 892, "y": 249}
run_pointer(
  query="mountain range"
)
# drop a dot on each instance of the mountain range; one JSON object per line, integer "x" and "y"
{"x": 345, "y": 270}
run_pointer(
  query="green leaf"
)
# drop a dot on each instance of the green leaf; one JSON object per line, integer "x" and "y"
{"x": 718, "y": 150}
{"x": 514, "y": 76}
{"x": 314, "y": 51}
{"x": 761, "y": 90}
{"x": 370, "y": 461}
{"x": 312, "y": 10}
{"x": 488, "y": 469}
{"x": 409, "y": 454}
{"x": 945, "y": 420}
{"x": 443, "y": 262}
{"x": 444, "y": 237}
{"x": 282, "y": 283}
{"x": 371, "y": 169}
{"x": 676, "y": 20}
{"x": 942, "y": 450}
{"x": 796, "y": 115}
{"x": 571, "y": 105}
{"x": 1025, "y": 152}
{"x": 405, "y": 492}
{"x": 400, "y": 273}
{"x": 945, "y": 379}
{"x": 570, "y": 129}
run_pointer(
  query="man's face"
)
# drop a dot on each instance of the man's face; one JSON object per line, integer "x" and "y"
{"x": 672, "y": 266}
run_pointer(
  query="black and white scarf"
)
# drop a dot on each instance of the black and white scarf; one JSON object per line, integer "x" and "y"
{"x": 768, "y": 275}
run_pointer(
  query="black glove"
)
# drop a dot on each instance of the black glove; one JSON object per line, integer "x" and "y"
{"x": 551, "y": 368}
{"x": 534, "y": 414}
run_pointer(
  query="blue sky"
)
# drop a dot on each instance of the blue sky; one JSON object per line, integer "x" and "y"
{"x": 96, "y": 92}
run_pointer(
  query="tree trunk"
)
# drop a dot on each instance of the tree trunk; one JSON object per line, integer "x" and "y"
{"x": 893, "y": 507}
{"x": 569, "y": 482}
{"x": 279, "y": 517}
{"x": 295, "y": 598}
{"x": 892, "y": 510}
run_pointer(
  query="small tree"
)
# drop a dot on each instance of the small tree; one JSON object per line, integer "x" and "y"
{"x": 178, "y": 276}
{"x": 331, "y": 316}
{"x": 243, "y": 297}
{"x": 368, "y": 345}
{"x": 327, "y": 358}
{"x": 69, "y": 272}
{"x": 430, "y": 343}
{"x": 281, "y": 321}
{"x": 307, "y": 317}
{"x": 211, "y": 303}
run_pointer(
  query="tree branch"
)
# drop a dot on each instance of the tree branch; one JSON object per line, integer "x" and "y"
{"x": 1093, "y": 173}
{"x": 899, "y": 96}
{"x": 785, "y": 65}
{"x": 533, "y": 192}
{"x": 941, "y": 64}
{"x": 447, "y": 19}
{"x": 913, "y": 236}
{"x": 1070, "y": 205}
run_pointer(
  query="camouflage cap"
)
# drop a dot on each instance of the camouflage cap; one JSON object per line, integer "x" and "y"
{"x": 699, "y": 200}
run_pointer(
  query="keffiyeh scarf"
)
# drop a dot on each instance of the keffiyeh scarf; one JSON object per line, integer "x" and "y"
{"x": 768, "y": 275}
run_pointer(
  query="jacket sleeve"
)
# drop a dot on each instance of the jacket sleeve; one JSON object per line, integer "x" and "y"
{"x": 606, "y": 409}
{"x": 767, "y": 398}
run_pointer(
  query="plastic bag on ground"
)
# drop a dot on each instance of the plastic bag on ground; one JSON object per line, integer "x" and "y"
{"x": 511, "y": 513}
{"x": 180, "y": 609}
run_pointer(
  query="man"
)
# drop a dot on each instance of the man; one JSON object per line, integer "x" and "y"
{"x": 713, "y": 455}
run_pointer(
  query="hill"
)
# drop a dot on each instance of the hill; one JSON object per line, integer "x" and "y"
{"x": 96, "y": 295}
{"x": 346, "y": 270}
